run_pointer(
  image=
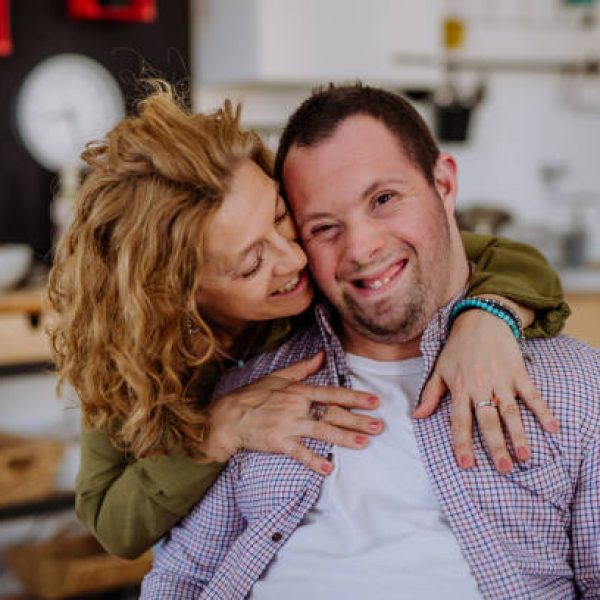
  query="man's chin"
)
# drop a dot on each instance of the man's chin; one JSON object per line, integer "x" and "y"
{"x": 390, "y": 329}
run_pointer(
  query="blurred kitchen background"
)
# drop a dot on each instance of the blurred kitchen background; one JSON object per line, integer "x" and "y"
{"x": 511, "y": 87}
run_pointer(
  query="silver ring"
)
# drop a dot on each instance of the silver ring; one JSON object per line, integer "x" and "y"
{"x": 485, "y": 403}
{"x": 318, "y": 411}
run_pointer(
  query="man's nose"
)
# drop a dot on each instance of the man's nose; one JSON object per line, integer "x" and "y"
{"x": 363, "y": 241}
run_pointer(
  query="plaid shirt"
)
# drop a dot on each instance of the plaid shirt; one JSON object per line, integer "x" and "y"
{"x": 534, "y": 533}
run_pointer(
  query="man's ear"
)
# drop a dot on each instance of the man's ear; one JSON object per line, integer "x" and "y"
{"x": 446, "y": 181}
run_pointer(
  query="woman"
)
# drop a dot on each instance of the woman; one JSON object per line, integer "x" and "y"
{"x": 179, "y": 210}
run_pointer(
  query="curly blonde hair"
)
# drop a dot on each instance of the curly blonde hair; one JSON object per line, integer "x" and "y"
{"x": 128, "y": 269}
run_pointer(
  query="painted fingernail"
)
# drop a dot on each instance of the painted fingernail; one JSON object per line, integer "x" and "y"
{"x": 326, "y": 467}
{"x": 465, "y": 461}
{"x": 374, "y": 425}
{"x": 553, "y": 425}
{"x": 504, "y": 465}
{"x": 522, "y": 453}
{"x": 361, "y": 439}
{"x": 372, "y": 400}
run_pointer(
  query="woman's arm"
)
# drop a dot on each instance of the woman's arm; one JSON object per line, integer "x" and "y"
{"x": 130, "y": 506}
{"x": 519, "y": 273}
{"x": 482, "y": 361}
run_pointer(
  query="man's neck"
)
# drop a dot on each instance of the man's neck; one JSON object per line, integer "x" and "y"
{"x": 357, "y": 344}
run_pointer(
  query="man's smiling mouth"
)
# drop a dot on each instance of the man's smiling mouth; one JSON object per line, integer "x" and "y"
{"x": 382, "y": 279}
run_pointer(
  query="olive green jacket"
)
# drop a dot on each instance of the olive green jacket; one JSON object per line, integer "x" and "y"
{"x": 129, "y": 505}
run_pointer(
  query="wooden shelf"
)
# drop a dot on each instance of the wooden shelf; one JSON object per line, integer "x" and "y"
{"x": 59, "y": 501}
{"x": 22, "y": 342}
{"x": 27, "y": 301}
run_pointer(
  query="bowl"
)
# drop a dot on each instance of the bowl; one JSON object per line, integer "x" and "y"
{"x": 15, "y": 261}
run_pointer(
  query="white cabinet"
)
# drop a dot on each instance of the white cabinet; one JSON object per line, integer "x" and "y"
{"x": 303, "y": 42}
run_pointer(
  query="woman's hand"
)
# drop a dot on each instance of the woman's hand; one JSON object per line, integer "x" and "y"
{"x": 482, "y": 361}
{"x": 273, "y": 414}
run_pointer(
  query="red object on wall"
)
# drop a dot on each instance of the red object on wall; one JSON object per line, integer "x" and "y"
{"x": 133, "y": 11}
{"x": 6, "y": 46}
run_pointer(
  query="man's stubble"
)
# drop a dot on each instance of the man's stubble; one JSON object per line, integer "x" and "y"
{"x": 401, "y": 319}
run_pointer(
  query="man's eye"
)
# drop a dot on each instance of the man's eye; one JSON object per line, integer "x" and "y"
{"x": 319, "y": 230}
{"x": 382, "y": 199}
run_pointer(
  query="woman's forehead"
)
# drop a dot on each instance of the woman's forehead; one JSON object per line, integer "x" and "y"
{"x": 244, "y": 218}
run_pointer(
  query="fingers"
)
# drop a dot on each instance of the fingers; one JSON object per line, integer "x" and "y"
{"x": 341, "y": 396}
{"x": 513, "y": 425}
{"x": 488, "y": 420}
{"x": 461, "y": 420}
{"x": 534, "y": 401}
{"x": 302, "y": 454}
{"x": 340, "y": 417}
{"x": 337, "y": 436}
{"x": 301, "y": 369}
{"x": 432, "y": 394}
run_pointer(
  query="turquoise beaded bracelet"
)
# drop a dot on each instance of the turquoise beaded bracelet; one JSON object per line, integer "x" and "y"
{"x": 503, "y": 312}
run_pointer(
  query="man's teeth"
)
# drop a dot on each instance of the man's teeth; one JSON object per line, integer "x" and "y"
{"x": 376, "y": 283}
{"x": 289, "y": 286}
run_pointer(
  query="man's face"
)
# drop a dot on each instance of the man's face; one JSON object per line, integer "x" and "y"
{"x": 377, "y": 234}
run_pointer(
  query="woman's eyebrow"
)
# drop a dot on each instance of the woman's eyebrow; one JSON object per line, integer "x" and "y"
{"x": 241, "y": 255}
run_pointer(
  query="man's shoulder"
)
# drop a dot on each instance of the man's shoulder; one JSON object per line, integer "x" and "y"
{"x": 303, "y": 343}
{"x": 570, "y": 356}
{"x": 566, "y": 371}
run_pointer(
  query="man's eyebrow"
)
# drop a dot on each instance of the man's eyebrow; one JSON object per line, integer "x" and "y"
{"x": 381, "y": 183}
{"x": 313, "y": 216}
{"x": 366, "y": 193}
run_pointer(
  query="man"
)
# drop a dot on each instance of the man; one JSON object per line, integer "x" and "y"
{"x": 374, "y": 200}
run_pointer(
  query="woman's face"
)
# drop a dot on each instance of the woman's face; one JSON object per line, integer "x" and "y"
{"x": 254, "y": 270}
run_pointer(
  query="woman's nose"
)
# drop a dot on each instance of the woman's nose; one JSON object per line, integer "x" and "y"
{"x": 291, "y": 257}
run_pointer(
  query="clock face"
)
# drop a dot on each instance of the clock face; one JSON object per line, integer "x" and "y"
{"x": 66, "y": 101}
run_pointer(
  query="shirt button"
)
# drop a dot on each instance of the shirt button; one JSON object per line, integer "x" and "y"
{"x": 276, "y": 537}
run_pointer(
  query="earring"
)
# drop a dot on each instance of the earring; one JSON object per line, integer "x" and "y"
{"x": 192, "y": 327}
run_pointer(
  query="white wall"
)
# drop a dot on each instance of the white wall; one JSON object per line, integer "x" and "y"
{"x": 527, "y": 123}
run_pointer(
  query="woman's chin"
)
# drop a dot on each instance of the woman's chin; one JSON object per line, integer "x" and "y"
{"x": 295, "y": 301}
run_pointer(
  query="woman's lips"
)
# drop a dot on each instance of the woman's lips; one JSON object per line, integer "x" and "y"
{"x": 382, "y": 280}
{"x": 293, "y": 286}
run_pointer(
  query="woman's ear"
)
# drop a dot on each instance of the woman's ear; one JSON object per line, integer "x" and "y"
{"x": 446, "y": 182}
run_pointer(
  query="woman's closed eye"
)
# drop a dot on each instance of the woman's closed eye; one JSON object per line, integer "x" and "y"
{"x": 281, "y": 216}
{"x": 255, "y": 267}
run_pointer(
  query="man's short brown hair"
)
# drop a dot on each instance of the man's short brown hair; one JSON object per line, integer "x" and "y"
{"x": 317, "y": 118}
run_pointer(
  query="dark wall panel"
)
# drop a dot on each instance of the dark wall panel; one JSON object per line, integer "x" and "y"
{"x": 41, "y": 28}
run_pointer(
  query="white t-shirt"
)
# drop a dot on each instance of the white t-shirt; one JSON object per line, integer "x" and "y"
{"x": 377, "y": 530}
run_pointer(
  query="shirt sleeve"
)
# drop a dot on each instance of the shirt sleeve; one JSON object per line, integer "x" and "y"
{"x": 130, "y": 506}
{"x": 586, "y": 524}
{"x": 520, "y": 273}
{"x": 189, "y": 558}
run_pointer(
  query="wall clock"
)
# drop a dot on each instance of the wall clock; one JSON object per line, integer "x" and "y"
{"x": 66, "y": 101}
